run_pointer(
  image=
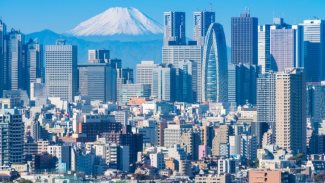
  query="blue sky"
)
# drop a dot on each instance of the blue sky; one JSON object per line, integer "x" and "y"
{"x": 62, "y": 15}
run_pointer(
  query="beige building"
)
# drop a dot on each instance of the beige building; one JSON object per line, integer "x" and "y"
{"x": 267, "y": 176}
{"x": 221, "y": 140}
{"x": 291, "y": 110}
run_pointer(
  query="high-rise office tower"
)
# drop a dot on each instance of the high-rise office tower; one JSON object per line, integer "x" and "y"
{"x": 314, "y": 43}
{"x": 144, "y": 72}
{"x": 214, "y": 66}
{"x": 264, "y": 57}
{"x": 316, "y": 103}
{"x": 242, "y": 83}
{"x": 177, "y": 54}
{"x": 98, "y": 56}
{"x": 202, "y": 21}
{"x": 162, "y": 83}
{"x": 12, "y": 137}
{"x": 265, "y": 103}
{"x": 3, "y": 32}
{"x": 244, "y": 38}
{"x": 127, "y": 75}
{"x": 184, "y": 78}
{"x": 286, "y": 46}
{"x": 15, "y": 66}
{"x": 291, "y": 110}
{"x": 174, "y": 28}
{"x": 61, "y": 70}
{"x": 97, "y": 81}
{"x": 34, "y": 63}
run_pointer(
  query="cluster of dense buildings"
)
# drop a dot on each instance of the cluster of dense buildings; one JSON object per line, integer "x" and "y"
{"x": 194, "y": 117}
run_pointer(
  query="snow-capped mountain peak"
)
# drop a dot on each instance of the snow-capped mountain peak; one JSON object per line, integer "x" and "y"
{"x": 117, "y": 21}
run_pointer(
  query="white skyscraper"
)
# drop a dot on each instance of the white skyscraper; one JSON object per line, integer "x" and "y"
{"x": 144, "y": 72}
{"x": 264, "y": 58}
{"x": 61, "y": 70}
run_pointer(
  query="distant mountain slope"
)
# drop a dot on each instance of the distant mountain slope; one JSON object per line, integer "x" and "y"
{"x": 130, "y": 52}
{"x": 117, "y": 21}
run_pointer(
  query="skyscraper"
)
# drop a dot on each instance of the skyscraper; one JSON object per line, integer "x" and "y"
{"x": 15, "y": 61}
{"x": 98, "y": 56}
{"x": 264, "y": 58}
{"x": 144, "y": 72}
{"x": 184, "y": 78}
{"x": 244, "y": 38}
{"x": 127, "y": 75}
{"x": 61, "y": 70}
{"x": 174, "y": 28}
{"x": 3, "y": 32}
{"x": 291, "y": 110}
{"x": 177, "y": 54}
{"x": 34, "y": 63}
{"x": 314, "y": 43}
{"x": 266, "y": 103}
{"x": 214, "y": 66}
{"x": 202, "y": 21}
{"x": 161, "y": 88}
{"x": 98, "y": 81}
{"x": 242, "y": 83}
{"x": 286, "y": 46}
{"x": 12, "y": 137}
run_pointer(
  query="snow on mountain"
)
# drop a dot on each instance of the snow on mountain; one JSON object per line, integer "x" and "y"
{"x": 117, "y": 21}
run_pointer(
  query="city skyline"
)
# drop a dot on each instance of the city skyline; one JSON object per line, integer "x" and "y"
{"x": 294, "y": 12}
{"x": 186, "y": 112}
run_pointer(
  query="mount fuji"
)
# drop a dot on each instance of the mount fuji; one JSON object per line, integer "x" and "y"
{"x": 118, "y": 23}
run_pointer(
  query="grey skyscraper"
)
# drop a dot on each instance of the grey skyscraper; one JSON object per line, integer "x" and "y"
{"x": 264, "y": 57}
{"x": 12, "y": 137}
{"x": 174, "y": 28}
{"x": 314, "y": 42}
{"x": 3, "y": 32}
{"x": 242, "y": 83}
{"x": 98, "y": 82}
{"x": 184, "y": 79}
{"x": 286, "y": 46}
{"x": 144, "y": 72}
{"x": 61, "y": 70}
{"x": 291, "y": 110}
{"x": 98, "y": 56}
{"x": 202, "y": 21}
{"x": 177, "y": 54}
{"x": 214, "y": 65}
{"x": 244, "y": 38}
{"x": 34, "y": 63}
{"x": 316, "y": 103}
{"x": 162, "y": 88}
{"x": 266, "y": 103}
{"x": 15, "y": 64}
